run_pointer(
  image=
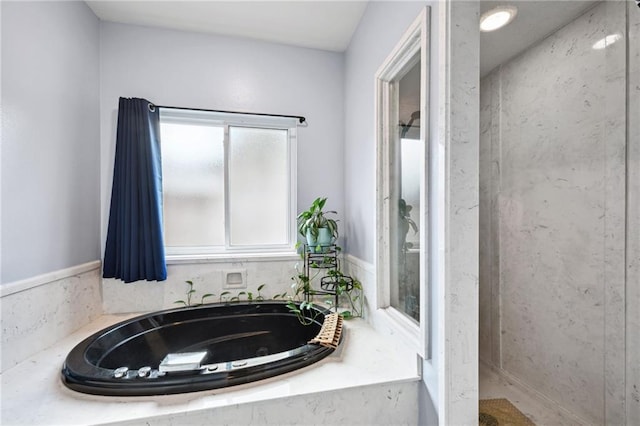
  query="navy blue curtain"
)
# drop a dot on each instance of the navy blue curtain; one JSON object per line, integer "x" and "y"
{"x": 135, "y": 247}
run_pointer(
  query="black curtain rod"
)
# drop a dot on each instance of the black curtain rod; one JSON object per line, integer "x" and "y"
{"x": 299, "y": 117}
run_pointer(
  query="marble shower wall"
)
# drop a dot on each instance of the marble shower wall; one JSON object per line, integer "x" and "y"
{"x": 552, "y": 217}
{"x": 632, "y": 298}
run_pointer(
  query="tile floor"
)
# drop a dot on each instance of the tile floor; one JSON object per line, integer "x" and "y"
{"x": 541, "y": 412}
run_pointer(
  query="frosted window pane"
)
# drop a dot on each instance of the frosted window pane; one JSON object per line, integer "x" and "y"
{"x": 405, "y": 294}
{"x": 411, "y": 152}
{"x": 193, "y": 184}
{"x": 258, "y": 186}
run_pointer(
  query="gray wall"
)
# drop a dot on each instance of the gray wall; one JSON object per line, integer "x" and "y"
{"x": 50, "y": 137}
{"x": 214, "y": 72}
{"x": 380, "y": 28}
{"x": 553, "y": 218}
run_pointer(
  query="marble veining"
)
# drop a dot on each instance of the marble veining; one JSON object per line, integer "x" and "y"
{"x": 633, "y": 220}
{"x": 377, "y": 374}
{"x": 207, "y": 277}
{"x": 552, "y": 270}
{"x": 488, "y": 295}
{"x": 497, "y": 383}
{"x": 38, "y": 317}
{"x": 461, "y": 217}
{"x": 615, "y": 214}
{"x": 377, "y": 406}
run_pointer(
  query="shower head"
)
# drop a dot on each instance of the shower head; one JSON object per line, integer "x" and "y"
{"x": 405, "y": 127}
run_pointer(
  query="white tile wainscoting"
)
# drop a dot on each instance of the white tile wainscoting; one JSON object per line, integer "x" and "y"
{"x": 39, "y": 311}
{"x": 207, "y": 273}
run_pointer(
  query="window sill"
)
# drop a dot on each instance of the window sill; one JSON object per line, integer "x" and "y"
{"x": 405, "y": 327}
{"x": 181, "y": 259}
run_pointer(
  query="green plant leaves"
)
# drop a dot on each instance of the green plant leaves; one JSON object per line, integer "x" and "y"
{"x": 314, "y": 218}
{"x": 305, "y": 312}
{"x": 191, "y": 291}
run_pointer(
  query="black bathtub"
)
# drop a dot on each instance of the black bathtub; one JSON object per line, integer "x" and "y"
{"x": 193, "y": 349}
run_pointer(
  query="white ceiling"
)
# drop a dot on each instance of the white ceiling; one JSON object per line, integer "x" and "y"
{"x": 326, "y": 24}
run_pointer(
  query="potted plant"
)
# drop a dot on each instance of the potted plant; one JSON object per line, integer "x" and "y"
{"x": 318, "y": 229}
{"x": 404, "y": 224}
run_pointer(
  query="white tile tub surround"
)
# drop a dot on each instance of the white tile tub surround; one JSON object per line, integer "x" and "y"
{"x": 38, "y": 312}
{"x": 553, "y": 170}
{"x": 368, "y": 380}
{"x": 207, "y": 276}
{"x": 365, "y": 273}
{"x": 380, "y": 319}
{"x": 390, "y": 404}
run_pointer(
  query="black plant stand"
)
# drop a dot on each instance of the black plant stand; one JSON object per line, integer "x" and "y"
{"x": 326, "y": 258}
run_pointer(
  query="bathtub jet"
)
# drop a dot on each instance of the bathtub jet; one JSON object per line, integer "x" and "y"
{"x": 197, "y": 348}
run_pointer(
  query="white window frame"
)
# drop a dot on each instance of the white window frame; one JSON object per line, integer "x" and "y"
{"x": 227, "y": 120}
{"x": 414, "y": 40}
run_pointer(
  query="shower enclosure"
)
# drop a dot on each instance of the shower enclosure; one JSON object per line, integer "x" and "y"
{"x": 560, "y": 216}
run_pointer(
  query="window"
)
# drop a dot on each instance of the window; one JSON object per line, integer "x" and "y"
{"x": 228, "y": 182}
{"x": 403, "y": 217}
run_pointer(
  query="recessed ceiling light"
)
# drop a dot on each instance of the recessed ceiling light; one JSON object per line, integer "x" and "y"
{"x": 496, "y": 18}
{"x": 608, "y": 40}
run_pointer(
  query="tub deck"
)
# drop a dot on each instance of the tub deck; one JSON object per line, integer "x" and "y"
{"x": 377, "y": 375}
